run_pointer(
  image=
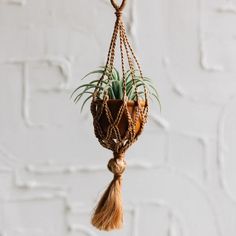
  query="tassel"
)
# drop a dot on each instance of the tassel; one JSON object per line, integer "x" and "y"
{"x": 109, "y": 211}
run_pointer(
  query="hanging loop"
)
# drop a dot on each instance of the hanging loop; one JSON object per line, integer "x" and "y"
{"x": 117, "y": 7}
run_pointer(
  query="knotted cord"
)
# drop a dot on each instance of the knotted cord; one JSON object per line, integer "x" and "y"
{"x": 117, "y": 123}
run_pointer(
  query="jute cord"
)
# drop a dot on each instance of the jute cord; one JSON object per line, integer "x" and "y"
{"x": 108, "y": 214}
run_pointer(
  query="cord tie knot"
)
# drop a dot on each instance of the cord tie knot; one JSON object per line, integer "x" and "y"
{"x": 118, "y": 14}
{"x": 117, "y": 165}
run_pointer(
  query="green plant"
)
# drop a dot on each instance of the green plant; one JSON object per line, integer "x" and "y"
{"x": 113, "y": 86}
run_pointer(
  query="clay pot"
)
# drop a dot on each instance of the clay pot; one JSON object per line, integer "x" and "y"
{"x": 114, "y": 106}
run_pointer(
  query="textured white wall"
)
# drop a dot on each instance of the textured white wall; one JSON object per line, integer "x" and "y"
{"x": 181, "y": 177}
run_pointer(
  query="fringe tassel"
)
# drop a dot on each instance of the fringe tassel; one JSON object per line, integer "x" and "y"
{"x": 109, "y": 211}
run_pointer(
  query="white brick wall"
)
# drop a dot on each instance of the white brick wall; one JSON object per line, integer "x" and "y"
{"x": 181, "y": 177}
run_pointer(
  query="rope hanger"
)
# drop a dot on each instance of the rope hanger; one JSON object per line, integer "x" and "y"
{"x": 117, "y": 127}
{"x": 125, "y": 50}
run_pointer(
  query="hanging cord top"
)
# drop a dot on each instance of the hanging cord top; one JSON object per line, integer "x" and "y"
{"x": 118, "y": 8}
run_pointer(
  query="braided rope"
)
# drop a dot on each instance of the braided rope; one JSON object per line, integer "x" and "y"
{"x": 111, "y": 136}
{"x": 117, "y": 123}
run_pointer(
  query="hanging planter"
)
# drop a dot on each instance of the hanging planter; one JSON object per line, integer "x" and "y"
{"x": 119, "y": 108}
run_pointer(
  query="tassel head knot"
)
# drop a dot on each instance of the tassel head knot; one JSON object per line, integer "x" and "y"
{"x": 117, "y": 166}
{"x": 108, "y": 214}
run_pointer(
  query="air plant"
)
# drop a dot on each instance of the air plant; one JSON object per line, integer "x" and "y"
{"x": 112, "y": 85}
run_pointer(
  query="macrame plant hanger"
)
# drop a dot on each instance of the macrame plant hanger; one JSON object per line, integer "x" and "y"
{"x": 117, "y": 124}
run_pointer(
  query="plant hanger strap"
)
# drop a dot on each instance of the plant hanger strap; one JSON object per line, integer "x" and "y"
{"x": 109, "y": 118}
{"x": 126, "y": 50}
{"x": 117, "y": 7}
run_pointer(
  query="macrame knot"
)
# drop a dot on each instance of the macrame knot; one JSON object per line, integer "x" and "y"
{"x": 108, "y": 214}
{"x": 117, "y": 166}
{"x": 118, "y": 14}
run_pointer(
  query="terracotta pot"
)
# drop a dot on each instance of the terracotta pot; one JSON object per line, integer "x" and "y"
{"x": 114, "y": 106}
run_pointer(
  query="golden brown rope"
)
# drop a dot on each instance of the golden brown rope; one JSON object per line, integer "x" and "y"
{"x": 110, "y": 57}
{"x": 118, "y": 8}
{"x": 130, "y": 62}
{"x": 135, "y": 59}
{"x": 117, "y": 128}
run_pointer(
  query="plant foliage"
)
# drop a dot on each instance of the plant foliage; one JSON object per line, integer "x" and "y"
{"x": 112, "y": 85}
